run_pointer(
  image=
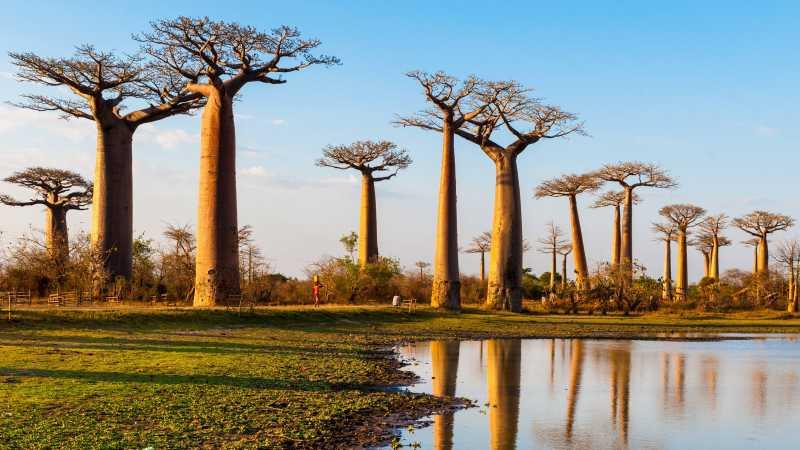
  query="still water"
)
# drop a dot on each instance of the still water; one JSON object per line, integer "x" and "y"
{"x": 604, "y": 394}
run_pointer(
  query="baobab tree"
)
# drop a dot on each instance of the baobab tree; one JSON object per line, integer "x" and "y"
{"x": 216, "y": 60}
{"x": 527, "y": 121}
{"x": 59, "y": 191}
{"x": 422, "y": 265}
{"x": 481, "y": 244}
{"x": 571, "y": 186}
{"x": 631, "y": 176}
{"x": 614, "y": 199}
{"x": 376, "y": 161}
{"x": 564, "y": 251}
{"x": 683, "y": 216}
{"x": 668, "y": 233}
{"x": 118, "y": 94}
{"x": 760, "y": 224}
{"x": 704, "y": 244}
{"x": 453, "y": 104}
{"x": 712, "y": 227}
{"x": 753, "y": 243}
{"x": 551, "y": 245}
{"x": 788, "y": 254}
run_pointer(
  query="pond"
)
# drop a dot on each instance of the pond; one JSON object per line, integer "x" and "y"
{"x": 603, "y": 394}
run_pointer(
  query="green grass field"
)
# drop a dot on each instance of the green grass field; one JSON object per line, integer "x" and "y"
{"x": 279, "y": 377}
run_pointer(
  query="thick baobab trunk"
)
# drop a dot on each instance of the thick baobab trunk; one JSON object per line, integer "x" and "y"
{"x": 504, "y": 363}
{"x": 682, "y": 281}
{"x": 616, "y": 239}
{"x": 666, "y": 292}
{"x": 112, "y": 200}
{"x": 714, "y": 270}
{"x": 578, "y": 252}
{"x": 763, "y": 255}
{"x": 56, "y": 235}
{"x": 217, "y": 261}
{"x": 444, "y": 365}
{"x": 446, "y": 288}
{"x": 505, "y": 266}
{"x": 626, "y": 246}
{"x": 368, "y": 223}
{"x": 755, "y": 259}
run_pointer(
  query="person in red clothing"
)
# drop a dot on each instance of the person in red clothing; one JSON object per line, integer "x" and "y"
{"x": 315, "y": 290}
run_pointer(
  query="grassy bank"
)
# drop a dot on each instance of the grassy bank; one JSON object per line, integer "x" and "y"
{"x": 278, "y": 377}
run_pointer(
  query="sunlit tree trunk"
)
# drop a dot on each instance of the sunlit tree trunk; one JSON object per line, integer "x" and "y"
{"x": 503, "y": 380}
{"x": 553, "y": 271}
{"x": 564, "y": 273}
{"x": 706, "y": 264}
{"x": 626, "y": 247}
{"x": 763, "y": 255}
{"x": 446, "y": 288}
{"x": 682, "y": 282}
{"x": 368, "y": 222}
{"x": 217, "y": 260}
{"x": 483, "y": 268}
{"x": 578, "y": 251}
{"x": 755, "y": 259}
{"x": 112, "y": 203}
{"x": 616, "y": 241}
{"x": 505, "y": 266}
{"x": 444, "y": 365}
{"x": 714, "y": 272}
{"x": 666, "y": 292}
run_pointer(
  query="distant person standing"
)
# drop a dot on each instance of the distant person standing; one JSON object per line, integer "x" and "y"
{"x": 315, "y": 290}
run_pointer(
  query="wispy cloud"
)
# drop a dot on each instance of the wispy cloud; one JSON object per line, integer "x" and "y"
{"x": 254, "y": 171}
{"x": 765, "y": 131}
{"x": 279, "y": 122}
{"x": 167, "y": 139}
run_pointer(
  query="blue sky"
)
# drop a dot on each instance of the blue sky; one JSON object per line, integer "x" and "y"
{"x": 709, "y": 91}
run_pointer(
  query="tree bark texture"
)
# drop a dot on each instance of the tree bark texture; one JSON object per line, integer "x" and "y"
{"x": 626, "y": 246}
{"x": 368, "y": 222}
{"x": 112, "y": 201}
{"x": 763, "y": 255}
{"x": 666, "y": 293}
{"x": 714, "y": 271}
{"x": 57, "y": 236}
{"x": 505, "y": 266}
{"x": 616, "y": 239}
{"x": 681, "y": 283}
{"x": 217, "y": 261}
{"x": 446, "y": 288}
{"x": 578, "y": 252}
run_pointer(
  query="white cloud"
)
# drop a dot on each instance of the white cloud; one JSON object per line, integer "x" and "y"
{"x": 279, "y": 122}
{"x": 255, "y": 171}
{"x": 166, "y": 139}
{"x": 765, "y": 131}
{"x": 74, "y": 130}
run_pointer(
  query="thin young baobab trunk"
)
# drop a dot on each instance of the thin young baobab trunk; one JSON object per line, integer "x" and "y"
{"x": 626, "y": 246}
{"x": 763, "y": 256}
{"x": 564, "y": 273}
{"x": 217, "y": 274}
{"x": 578, "y": 253}
{"x": 446, "y": 288}
{"x": 714, "y": 271}
{"x": 616, "y": 239}
{"x": 56, "y": 235}
{"x": 505, "y": 267}
{"x": 666, "y": 293}
{"x": 706, "y": 264}
{"x": 553, "y": 272}
{"x": 681, "y": 283}
{"x": 368, "y": 227}
{"x": 112, "y": 202}
{"x": 483, "y": 267}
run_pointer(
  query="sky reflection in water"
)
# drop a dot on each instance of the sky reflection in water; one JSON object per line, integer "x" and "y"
{"x": 585, "y": 394}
